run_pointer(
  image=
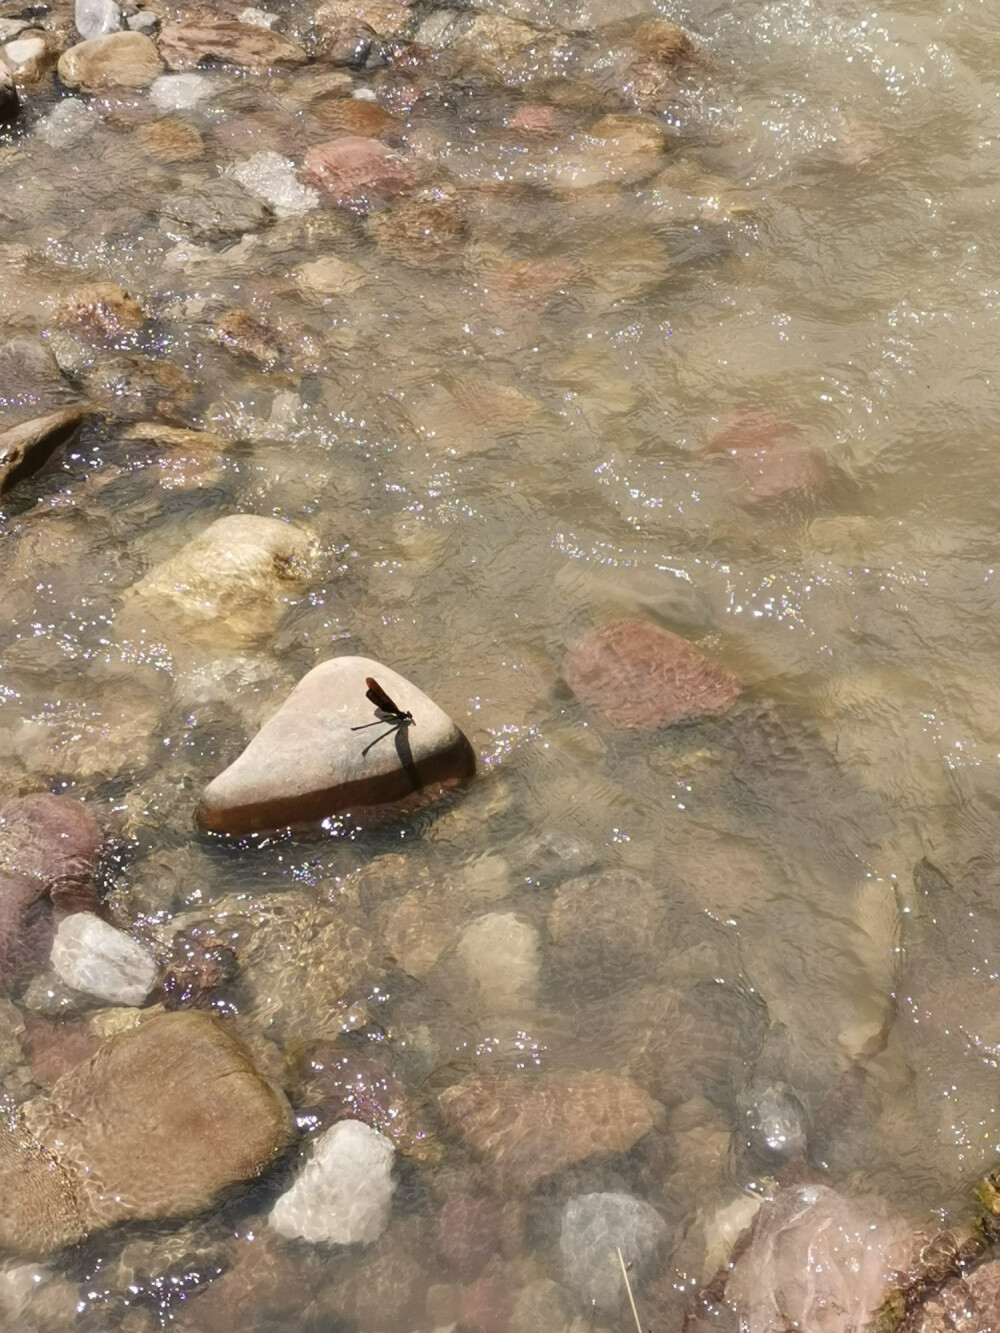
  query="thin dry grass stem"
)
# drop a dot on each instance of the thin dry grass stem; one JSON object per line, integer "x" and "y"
{"x": 628, "y": 1288}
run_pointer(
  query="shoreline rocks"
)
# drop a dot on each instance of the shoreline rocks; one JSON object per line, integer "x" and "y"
{"x": 329, "y": 750}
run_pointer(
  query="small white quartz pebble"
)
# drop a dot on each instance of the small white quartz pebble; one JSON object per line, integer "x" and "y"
{"x": 99, "y": 960}
{"x": 269, "y": 176}
{"x": 343, "y": 1193}
{"x": 178, "y": 92}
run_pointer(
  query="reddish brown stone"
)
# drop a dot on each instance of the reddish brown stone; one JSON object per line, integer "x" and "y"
{"x": 525, "y": 1128}
{"x": 353, "y": 168}
{"x": 469, "y": 1231}
{"x": 770, "y": 455}
{"x": 638, "y": 675}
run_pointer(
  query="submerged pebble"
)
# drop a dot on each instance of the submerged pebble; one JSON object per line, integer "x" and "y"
{"x": 595, "y": 1228}
{"x": 94, "y": 957}
{"x": 344, "y": 1192}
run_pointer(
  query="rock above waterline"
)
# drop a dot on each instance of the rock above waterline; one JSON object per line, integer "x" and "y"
{"x": 525, "y": 1128}
{"x": 24, "y": 448}
{"x": 308, "y": 761}
{"x": 117, "y": 60}
{"x": 93, "y": 957}
{"x": 158, "y": 1123}
{"x": 638, "y": 675}
{"x": 344, "y": 1192}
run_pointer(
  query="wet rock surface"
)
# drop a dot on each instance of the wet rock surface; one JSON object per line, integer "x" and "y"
{"x": 117, "y": 60}
{"x": 159, "y": 1123}
{"x": 637, "y": 675}
{"x": 369, "y": 757}
{"x": 26, "y": 447}
{"x": 525, "y": 1129}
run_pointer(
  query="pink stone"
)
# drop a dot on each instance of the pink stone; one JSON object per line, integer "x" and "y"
{"x": 352, "y": 169}
{"x": 638, "y": 675}
{"x": 773, "y": 460}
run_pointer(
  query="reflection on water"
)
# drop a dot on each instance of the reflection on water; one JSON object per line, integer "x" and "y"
{"x": 701, "y": 336}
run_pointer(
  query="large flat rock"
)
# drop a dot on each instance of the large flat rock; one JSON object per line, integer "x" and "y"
{"x": 328, "y": 750}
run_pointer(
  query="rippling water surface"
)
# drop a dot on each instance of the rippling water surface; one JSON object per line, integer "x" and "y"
{"x": 727, "y": 367}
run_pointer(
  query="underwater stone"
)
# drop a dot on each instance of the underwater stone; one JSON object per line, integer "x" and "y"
{"x": 594, "y": 1228}
{"x": 500, "y": 953}
{"x": 117, "y": 60}
{"x": 94, "y": 957}
{"x": 344, "y": 1192}
{"x": 95, "y": 18}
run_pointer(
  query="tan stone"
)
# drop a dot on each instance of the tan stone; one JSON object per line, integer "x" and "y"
{"x": 117, "y": 60}
{"x": 184, "y": 45}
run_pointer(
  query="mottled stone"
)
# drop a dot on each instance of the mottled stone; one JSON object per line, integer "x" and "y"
{"x": 423, "y": 234}
{"x": 171, "y": 140}
{"x": 329, "y": 749}
{"x": 24, "y": 448}
{"x": 117, "y": 60}
{"x": 966, "y": 1304}
{"x": 638, "y": 675}
{"x": 527, "y": 1127}
{"x": 185, "y": 45}
{"x": 102, "y": 309}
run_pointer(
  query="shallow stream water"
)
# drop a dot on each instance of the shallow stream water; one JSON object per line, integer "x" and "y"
{"x": 527, "y": 413}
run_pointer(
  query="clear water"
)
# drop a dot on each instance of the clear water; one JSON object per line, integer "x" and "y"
{"x": 499, "y": 446}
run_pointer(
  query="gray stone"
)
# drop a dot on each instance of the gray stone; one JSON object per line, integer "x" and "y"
{"x": 344, "y": 1192}
{"x": 216, "y": 211}
{"x": 24, "y": 448}
{"x": 594, "y": 1228}
{"x": 329, "y": 749}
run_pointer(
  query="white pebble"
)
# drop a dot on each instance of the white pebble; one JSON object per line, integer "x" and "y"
{"x": 344, "y": 1192}
{"x": 271, "y": 177}
{"x": 178, "y": 92}
{"x": 99, "y": 960}
{"x": 95, "y": 18}
{"x": 257, "y": 18}
{"x": 23, "y": 50}
{"x": 68, "y": 121}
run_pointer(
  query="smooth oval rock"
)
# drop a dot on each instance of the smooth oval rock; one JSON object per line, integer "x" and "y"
{"x": 233, "y": 577}
{"x": 117, "y": 60}
{"x": 92, "y": 956}
{"x": 595, "y": 1228}
{"x": 160, "y": 1122}
{"x": 329, "y": 750}
{"x": 344, "y": 1192}
{"x": 638, "y": 675}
